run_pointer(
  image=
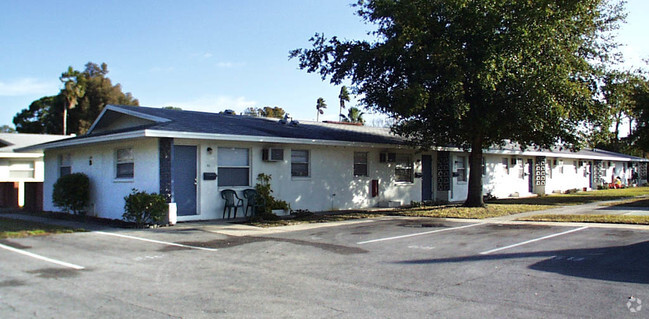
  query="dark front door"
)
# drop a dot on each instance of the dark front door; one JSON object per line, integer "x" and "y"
{"x": 183, "y": 179}
{"x": 427, "y": 177}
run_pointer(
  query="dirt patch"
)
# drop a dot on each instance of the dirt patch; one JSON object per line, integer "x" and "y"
{"x": 422, "y": 225}
{"x": 233, "y": 241}
{"x": 11, "y": 283}
{"x": 516, "y": 227}
{"x": 54, "y": 273}
{"x": 13, "y": 244}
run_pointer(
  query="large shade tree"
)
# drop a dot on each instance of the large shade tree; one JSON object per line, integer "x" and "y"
{"x": 46, "y": 115}
{"x": 475, "y": 73}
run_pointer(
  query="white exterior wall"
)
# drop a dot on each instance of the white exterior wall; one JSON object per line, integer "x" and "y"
{"x": 331, "y": 172}
{"x": 106, "y": 193}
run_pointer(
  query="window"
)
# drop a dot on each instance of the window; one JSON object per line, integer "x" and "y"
{"x": 521, "y": 168}
{"x": 484, "y": 166}
{"x": 360, "y": 164}
{"x": 21, "y": 169}
{"x": 299, "y": 163}
{"x": 505, "y": 162}
{"x": 403, "y": 168}
{"x": 125, "y": 165}
{"x": 560, "y": 166}
{"x": 234, "y": 166}
{"x": 460, "y": 168}
{"x": 65, "y": 164}
{"x": 574, "y": 163}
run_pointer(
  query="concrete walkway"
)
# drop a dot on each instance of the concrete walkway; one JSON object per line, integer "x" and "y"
{"x": 234, "y": 228}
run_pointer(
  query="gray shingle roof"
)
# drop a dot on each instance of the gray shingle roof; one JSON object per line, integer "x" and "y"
{"x": 11, "y": 141}
{"x": 215, "y": 123}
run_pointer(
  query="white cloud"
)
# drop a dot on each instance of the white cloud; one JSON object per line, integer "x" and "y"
{"x": 215, "y": 104}
{"x": 28, "y": 86}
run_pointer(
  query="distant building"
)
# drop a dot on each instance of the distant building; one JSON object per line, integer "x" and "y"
{"x": 21, "y": 174}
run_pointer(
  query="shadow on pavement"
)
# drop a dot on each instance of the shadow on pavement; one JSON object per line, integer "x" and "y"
{"x": 618, "y": 263}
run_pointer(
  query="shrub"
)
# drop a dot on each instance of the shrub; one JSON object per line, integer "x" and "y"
{"x": 264, "y": 191}
{"x": 72, "y": 193}
{"x": 143, "y": 208}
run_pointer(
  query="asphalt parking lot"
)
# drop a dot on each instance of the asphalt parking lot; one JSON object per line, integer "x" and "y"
{"x": 387, "y": 268}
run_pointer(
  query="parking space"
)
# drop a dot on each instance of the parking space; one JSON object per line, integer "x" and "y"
{"x": 395, "y": 267}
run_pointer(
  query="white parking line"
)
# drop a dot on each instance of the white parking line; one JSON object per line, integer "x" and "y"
{"x": 532, "y": 240}
{"x": 417, "y": 234}
{"x": 54, "y": 261}
{"x": 155, "y": 241}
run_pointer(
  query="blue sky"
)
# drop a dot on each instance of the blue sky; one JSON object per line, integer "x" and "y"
{"x": 199, "y": 55}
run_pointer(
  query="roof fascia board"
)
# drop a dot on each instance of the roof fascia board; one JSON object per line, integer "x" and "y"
{"x": 21, "y": 155}
{"x": 85, "y": 141}
{"x": 118, "y": 109}
{"x": 266, "y": 139}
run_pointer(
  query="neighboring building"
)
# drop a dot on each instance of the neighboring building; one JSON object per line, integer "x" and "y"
{"x": 21, "y": 174}
{"x": 191, "y": 156}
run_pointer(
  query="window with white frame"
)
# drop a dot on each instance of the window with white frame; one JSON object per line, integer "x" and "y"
{"x": 124, "y": 163}
{"x": 360, "y": 164}
{"x": 65, "y": 164}
{"x": 460, "y": 168}
{"x": 521, "y": 168}
{"x": 21, "y": 169}
{"x": 484, "y": 166}
{"x": 234, "y": 166}
{"x": 505, "y": 163}
{"x": 299, "y": 163}
{"x": 560, "y": 166}
{"x": 403, "y": 168}
{"x": 574, "y": 163}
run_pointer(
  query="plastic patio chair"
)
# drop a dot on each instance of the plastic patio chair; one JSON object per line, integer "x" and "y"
{"x": 253, "y": 200}
{"x": 231, "y": 201}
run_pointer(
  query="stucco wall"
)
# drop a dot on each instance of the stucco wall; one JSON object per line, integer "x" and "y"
{"x": 107, "y": 193}
{"x": 331, "y": 184}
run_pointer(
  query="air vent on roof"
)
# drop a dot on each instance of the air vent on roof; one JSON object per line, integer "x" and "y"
{"x": 229, "y": 112}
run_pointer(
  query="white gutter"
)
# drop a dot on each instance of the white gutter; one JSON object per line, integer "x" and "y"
{"x": 264, "y": 139}
{"x": 285, "y": 140}
{"x": 84, "y": 141}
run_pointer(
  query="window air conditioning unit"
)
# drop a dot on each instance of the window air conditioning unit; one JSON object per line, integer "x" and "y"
{"x": 385, "y": 157}
{"x": 272, "y": 154}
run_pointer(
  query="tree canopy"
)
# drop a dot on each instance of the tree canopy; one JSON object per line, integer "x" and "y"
{"x": 266, "y": 111}
{"x": 476, "y": 73}
{"x": 45, "y": 115}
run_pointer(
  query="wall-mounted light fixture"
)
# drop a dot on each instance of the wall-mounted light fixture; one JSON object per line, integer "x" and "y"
{"x": 209, "y": 150}
{"x": 90, "y": 161}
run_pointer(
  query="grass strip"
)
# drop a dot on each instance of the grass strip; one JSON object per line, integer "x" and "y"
{"x": 16, "y": 228}
{"x": 588, "y": 218}
{"x": 445, "y": 211}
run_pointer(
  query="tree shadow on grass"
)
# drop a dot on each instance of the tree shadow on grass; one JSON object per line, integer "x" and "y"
{"x": 618, "y": 263}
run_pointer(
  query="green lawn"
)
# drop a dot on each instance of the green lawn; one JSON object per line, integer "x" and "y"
{"x": 495, "y": 208}
{"x": 12, "y": 228}
{"x": 578, "y": 198}
{"x": 587, "y": 218}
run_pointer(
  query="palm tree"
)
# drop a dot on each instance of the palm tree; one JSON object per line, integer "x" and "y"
{"x": 72, "y": 92}
{"x": 354, "y": 115}
{"x": 344, "y": 97}
{"x": 320, "y": 105}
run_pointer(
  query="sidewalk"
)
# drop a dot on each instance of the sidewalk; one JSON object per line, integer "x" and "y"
{"x": 232, "y": 228}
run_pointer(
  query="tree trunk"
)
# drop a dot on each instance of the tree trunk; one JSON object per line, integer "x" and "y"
{"x": 65, "y": 120}
{"x": 474, "y": 198}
